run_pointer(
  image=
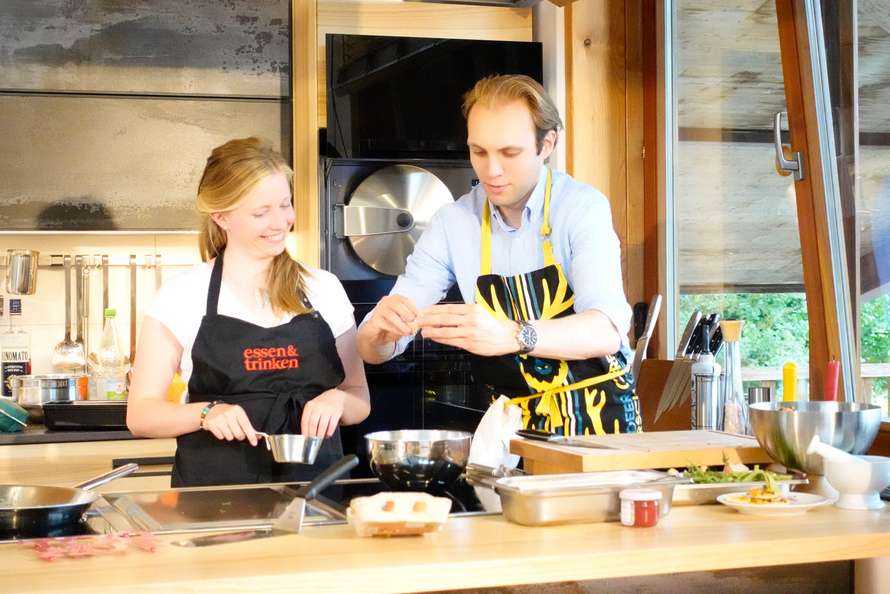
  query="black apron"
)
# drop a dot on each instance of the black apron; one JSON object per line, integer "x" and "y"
{"x": 271, "y": 373}
{"x": 586, "y": 397}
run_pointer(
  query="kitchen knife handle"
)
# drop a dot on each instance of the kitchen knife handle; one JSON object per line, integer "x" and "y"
{"x": 535, "y": 434}
{"x": 321, "y": 482}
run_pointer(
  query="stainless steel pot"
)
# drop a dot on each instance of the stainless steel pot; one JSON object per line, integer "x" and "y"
{"x": 36, "y": 390}
{"x": 21, "y": 271}
{"x": 292, "y": 448}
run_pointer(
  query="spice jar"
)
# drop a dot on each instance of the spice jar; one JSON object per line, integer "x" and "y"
{"x": 640, "y": 507}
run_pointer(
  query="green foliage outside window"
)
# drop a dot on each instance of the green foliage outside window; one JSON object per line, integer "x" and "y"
{"x": 776, "y": 328}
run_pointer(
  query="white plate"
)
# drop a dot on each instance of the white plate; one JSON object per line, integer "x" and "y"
{"x": 798, "y": 504}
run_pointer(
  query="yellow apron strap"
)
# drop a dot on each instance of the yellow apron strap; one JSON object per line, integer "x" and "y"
{"x": 576, "y": 386}
{"x": 549, "y": 260}
{"x": 485, "y": 243}
{"x": 485, "y": 259}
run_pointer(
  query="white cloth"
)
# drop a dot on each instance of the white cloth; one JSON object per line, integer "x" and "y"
{"x": 491, "y": 442}
{"x": 182, "y": 301}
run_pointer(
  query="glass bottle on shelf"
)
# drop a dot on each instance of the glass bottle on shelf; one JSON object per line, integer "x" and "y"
{"x": 109, "y": 373}
{"x": 735, "y": 412}
{"x": 15, "y": 349}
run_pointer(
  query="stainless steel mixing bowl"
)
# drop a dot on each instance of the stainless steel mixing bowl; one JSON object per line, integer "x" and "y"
{"x": 292, "y": 448}
{"x": 784, "y": 429}
{"x": 418, "y": 459}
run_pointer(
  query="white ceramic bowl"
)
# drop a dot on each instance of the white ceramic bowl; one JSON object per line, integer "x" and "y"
{"x": 859, "y": 485}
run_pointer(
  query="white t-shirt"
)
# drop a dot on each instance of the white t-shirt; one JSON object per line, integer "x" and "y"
{"x": 181, "y": 302}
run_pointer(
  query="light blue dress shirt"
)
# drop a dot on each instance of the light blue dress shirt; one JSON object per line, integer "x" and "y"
{"x": 584, "y": 243}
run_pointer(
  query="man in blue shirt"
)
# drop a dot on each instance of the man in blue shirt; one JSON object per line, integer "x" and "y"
{"x": 539, "y": 267}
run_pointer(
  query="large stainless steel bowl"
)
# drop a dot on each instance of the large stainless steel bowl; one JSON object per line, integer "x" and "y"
{"x": 785, "y": 429}
{"x": 418, "y": 459}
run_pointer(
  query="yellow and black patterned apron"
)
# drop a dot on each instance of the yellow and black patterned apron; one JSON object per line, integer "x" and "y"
{"x": 586, "y": 397}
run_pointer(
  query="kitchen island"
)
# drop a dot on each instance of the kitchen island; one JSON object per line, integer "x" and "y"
{"x": 471, "y": 552}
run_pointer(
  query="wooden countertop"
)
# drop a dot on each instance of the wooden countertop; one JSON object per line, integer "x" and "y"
{"x": 40, "y": 434}
{"x": 471, "y": 552}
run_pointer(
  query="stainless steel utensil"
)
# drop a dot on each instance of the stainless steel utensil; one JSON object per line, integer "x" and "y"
{"x": 643, "y": 342}
{"x": 133, "y": 289}
{"x": 560, "y": 439}
{"x": 418, "y": 459}
{"x": 785, "y": 429}
{"x": 540, "y": 500}
{"x": 78, "y": 300}
{"x": 290, "y": 520}
{"x": 104, "y": 283}
{"x": 68, "y": 356}
{"x": 21, "y": 271}
{"x": 292, "y": 448}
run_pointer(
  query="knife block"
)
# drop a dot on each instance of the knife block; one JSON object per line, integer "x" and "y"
{"x": 650, "y": 388}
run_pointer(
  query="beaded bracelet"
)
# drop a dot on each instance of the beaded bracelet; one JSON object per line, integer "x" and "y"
{"x": 206, "y": 410}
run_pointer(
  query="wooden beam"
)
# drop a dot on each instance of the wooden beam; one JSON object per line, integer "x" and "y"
{"x": 304, "y": 93}
{"x": 651, "y": 164}
{"x": 604, "y": 119}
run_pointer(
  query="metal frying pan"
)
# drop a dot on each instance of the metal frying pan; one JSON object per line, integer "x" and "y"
{"x": 38, "y": 510}
{"x": 388, "y": 212}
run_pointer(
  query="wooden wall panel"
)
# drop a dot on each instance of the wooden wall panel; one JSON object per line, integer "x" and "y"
{"x": 305, "y": 128}
{"x": 605, "y": 118}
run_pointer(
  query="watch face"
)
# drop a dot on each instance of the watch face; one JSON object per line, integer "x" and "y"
{"x": 528, "y": 337}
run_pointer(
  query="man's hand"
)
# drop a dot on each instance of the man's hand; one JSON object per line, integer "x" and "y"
{"x": 471, "y": 328}
{"x": 392, "y": 318}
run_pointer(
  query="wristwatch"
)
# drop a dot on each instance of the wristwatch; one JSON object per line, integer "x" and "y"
{"x": 527, "y": 337}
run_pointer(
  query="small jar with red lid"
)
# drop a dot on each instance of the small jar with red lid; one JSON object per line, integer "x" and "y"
{"x": 640, "y": 507}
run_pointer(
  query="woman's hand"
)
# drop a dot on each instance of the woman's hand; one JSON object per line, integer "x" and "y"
{"x": 229, "y": 422}
{"x": 321, "y": 415}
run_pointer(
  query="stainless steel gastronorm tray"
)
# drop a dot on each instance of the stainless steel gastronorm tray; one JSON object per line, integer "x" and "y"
{"x": 704, "y": 493}
{"x": 579, "y": 497}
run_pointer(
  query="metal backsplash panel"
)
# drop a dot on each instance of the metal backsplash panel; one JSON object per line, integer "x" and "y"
{"x": 194, "y": 47}
{"x": 108, "y": 110}
{"x": 87, "y": 163}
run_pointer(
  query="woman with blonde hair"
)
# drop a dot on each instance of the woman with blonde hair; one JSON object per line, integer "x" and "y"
{"x": 262, "y": 342}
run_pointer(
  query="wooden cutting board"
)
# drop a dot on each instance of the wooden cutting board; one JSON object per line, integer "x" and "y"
{"x": 636, "y": 451}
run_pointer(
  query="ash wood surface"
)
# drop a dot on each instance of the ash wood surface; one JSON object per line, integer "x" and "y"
{"x": 658, "y": 449}
{"x": 66, "y": 464}
{"x": 469, "y": 553}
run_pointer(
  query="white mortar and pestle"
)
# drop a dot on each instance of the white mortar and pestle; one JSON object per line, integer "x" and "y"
{"x": 859, "y": 480}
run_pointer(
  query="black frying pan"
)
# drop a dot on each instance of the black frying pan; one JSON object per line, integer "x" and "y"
{"x": 39, "y": 510}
